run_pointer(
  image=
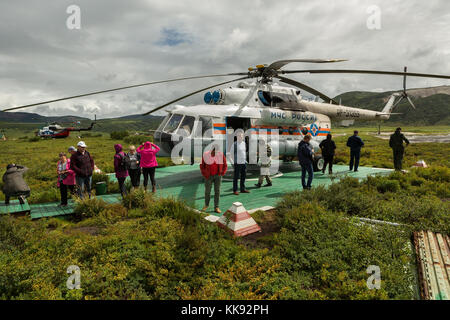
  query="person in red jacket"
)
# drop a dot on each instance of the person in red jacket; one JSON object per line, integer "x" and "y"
{"x": 213, "y": 168}
{"x": 148, "y": 163}
{"x": 120, "y": 168}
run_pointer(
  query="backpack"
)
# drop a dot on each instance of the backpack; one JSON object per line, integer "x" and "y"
{"x": 124, "y": 162}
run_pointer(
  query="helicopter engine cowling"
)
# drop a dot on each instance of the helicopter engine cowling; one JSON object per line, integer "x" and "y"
{"x": 289, "y": 147}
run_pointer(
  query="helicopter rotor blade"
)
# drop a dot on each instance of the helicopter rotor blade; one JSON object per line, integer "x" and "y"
{"x": 410, "y": 102}
{"x": 303, "y": 86}
{"x": 281, "y": 63}
{"x": 122, "y": 88}
{"x": 410, "y": 74}
{"x": 398, "y": 101}
{"x": 192, "y": 93}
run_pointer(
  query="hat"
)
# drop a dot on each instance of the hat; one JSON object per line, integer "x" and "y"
{"x": 71, "y": 148}
{"x": 81, "y": 144}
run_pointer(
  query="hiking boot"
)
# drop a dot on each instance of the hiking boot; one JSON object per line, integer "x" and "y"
{"x": 153, "y": 189}
{"x": 245, "y": 191}
{"x": 268, "y": 185}
{"x": 258, "y": 185}
{"x": 204, "y": 208}
{"x": 236, "y": 193}
{"x": 217, "y": 210}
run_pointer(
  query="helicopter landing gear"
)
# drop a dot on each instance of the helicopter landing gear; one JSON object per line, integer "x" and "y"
{"x": 318, "y": 163}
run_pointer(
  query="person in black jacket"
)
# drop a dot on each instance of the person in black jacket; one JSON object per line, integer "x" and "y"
{"x": 82, "y": 163}
{"x": 355, "y": 144}
{"x": 396, "y": 143}
{"x": 328, "y": 146}
{"x": 305, "y": 159}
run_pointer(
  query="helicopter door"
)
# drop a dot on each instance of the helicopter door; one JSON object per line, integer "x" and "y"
{"x": 238, "y": 123}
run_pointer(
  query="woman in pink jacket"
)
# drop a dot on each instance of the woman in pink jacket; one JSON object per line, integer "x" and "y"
{"x": 66, "y": 177}
{"x": 148, "y": 153}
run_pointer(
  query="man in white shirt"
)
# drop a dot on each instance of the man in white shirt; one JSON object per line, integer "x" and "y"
{"x": 237, "y": 156}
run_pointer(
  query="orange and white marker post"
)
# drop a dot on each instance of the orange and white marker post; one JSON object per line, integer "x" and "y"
{"x": 238, "y": 221}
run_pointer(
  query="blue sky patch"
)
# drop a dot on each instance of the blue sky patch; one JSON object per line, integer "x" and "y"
{"x": 172, "y": 37}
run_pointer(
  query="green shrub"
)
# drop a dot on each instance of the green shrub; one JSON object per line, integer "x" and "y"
{"x": 118, "y": 135}
{"x": 34, "y": 139}
{"x": 137, "y": 199}
{"x": 87, "y": 208}
{"x": 168, "y": 207}
{"x": 326, "y": 256}
{"x": 386, "y": 185}
{"x": 137, "y": 140}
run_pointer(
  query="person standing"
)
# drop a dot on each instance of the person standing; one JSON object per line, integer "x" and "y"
{"x": 265, "y": 152}
{"x": 327, "y": 146}
{"x": 120, "y": 168}
{"x": 305, "y": 158}
{"x": 396, "y": 143}
{"x": 237, "y": 156}
{"x": 82, "y": 164}
{"x": 72, "y": 150}
{"x": 213, "y": 168}
{"x": 66, "y": 177}
{"x": 134, "y": 169}
{"x": 148, "y": 162}
{"x": 13, "y": 183}
{"x": 355, "y": 144}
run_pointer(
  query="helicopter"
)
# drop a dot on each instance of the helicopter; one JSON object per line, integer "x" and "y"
{"x": 56, "y": 131}
{"x": 262, "y": 108}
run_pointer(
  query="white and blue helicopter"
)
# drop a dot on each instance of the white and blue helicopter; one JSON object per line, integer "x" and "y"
{"x": 260, "y": 108}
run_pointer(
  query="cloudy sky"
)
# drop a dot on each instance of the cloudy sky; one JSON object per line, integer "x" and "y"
{"x": 121, "y": 43}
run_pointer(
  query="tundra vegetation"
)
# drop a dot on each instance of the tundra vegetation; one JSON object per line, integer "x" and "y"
{"x": 158, "y": 248}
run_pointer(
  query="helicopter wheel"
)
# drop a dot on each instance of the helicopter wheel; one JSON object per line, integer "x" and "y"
{"x": 318, "y": 163}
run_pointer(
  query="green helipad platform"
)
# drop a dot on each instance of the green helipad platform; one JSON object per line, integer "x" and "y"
{"x": 14, "y": 207}
{"x": 186, "y": 183}
{"x": 53, "y": 209}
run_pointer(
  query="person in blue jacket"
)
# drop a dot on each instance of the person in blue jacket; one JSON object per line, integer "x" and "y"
{"x": 305, "y": 159}
{"x": 355, "y": 144}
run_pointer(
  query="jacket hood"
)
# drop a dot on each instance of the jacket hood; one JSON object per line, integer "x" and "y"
{"x": 118, "y": 147}
{"x": 147, "y": 145}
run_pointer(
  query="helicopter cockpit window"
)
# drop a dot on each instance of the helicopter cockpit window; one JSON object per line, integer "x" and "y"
{"x": 187, "y": 124}
{"x": 275, "y": 98}
{"x": 265, "y": 98}
{"x": 163, "y": 123}
{"x": 173, "y": 123}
